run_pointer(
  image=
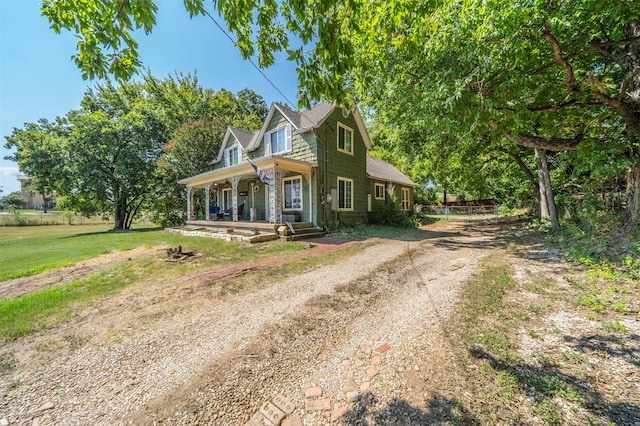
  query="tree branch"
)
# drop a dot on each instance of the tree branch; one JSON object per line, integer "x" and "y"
{"x": 557, "y": 54}
{"x": 548, "y": 144}
{"x": 622, "y": 109}
{"x": 596, "y": 46}
{"x": 570, "y": 104}
{"x": 520, "y": 164}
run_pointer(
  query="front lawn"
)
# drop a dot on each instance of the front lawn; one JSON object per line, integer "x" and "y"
{"x": 30, "y": 250}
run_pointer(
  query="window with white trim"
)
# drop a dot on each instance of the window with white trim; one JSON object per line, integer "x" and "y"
{"x": 278, "y": 140}
{"x": 231, "y": 156}
{"x": 405, "y": 199}
{"x": 380, "y": 191}
{"x": 345, "y": 194}
{"x": 292, "y": 190}
{"x": 345, "y": 139}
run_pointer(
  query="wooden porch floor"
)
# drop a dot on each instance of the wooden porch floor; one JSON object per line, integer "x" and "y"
{"x": 241, "y": 225}
{"x": 249, "y": 231}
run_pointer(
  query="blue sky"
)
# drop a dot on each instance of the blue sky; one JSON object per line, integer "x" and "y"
{"x": 39, "y": 80}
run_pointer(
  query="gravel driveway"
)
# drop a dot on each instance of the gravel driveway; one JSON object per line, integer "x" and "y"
{"x": 342, "y": 332}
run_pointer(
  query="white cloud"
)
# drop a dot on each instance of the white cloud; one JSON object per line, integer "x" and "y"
{"x": 8, "y": 181}
{"x": 9, "y": 170}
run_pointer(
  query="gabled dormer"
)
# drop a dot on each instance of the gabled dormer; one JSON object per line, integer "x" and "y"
{"x": 234, "y": 144}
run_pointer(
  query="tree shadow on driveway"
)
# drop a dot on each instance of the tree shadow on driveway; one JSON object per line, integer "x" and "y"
{"x": 439, "y": 409}
{"x": 546, "y": 382}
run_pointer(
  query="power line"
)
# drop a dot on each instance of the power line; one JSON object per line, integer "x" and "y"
{"x": 249, "y": 59}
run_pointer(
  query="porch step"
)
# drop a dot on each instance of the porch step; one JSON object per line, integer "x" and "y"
{"x": 298, "y": 237}
{"x": 296, "y": 226}
{"x": 303, "y": 230}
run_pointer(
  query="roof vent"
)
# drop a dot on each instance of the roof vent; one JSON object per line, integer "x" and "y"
{"x": 345, "y": 112}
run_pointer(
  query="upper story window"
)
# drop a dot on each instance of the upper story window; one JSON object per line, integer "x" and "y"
{"x": 345, "y": 139}
{"x": 380, "y": 190}
{"x": 231, "y": 156}
{"x": 278, "y": 140}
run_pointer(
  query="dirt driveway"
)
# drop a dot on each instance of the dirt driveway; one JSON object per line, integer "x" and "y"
{"x": 366, "y": 328}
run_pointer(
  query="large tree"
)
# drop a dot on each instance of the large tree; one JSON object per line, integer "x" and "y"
{"x": 101, "y": 157}
{"x": 114, "y": 143}
{"x": 198, "y": 119}
{"x": 543, "y": 74}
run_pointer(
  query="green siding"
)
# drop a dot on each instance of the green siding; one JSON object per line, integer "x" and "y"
{"x": 303, "y": 145}
{"x": 230, "y": 143}
{"x": 343, "y": 165}
{"x": 376, "y": 205}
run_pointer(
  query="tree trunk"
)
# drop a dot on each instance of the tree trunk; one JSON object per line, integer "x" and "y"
{"x": 44, "y": 202}
{"x": 120, "y": 213}
{"x": 633, "y": 193}
{"x": 543, "y": 212}
{"x": 531, "y": 177}
{"x": 547, "y": 203}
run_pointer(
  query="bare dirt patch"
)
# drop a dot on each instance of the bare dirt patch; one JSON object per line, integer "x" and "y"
{"x": 25, "y": 285}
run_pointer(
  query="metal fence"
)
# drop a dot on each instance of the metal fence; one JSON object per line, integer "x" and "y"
{"x": 20, "y": 218}
{"x": 460, "y": 210}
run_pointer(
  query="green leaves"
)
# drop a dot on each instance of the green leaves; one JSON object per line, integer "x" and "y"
{"x": 104, "y": 30}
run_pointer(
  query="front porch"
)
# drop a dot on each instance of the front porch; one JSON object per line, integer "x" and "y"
{"x": 251, "y": 232}
{"x": 235, "y": 194}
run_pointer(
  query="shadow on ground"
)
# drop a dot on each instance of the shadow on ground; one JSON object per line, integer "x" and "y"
{"x": 439, "y": 409}
{"x": 545, "y": 382}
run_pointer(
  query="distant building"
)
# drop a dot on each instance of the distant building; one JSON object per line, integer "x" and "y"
{"x": 34, "y": 201}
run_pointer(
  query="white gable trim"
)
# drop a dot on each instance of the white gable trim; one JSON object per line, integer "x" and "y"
{"x": 362, "y": 128}
{"x": 259, "y": 137}
{"x": 255, "y": 143}
{"x": 223, "y": 147}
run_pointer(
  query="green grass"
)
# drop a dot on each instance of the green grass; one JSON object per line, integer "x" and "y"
{"x": 51, "y": 306}
{"x": 29, "y": 249}
{"x": 32, "y": 249}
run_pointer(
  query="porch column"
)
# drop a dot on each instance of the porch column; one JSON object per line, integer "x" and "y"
{"x": 275, "y": 195}
{"x": 207, "y": 187}
{"x": 189, "y": 201}
{"x": 234, "y": 197}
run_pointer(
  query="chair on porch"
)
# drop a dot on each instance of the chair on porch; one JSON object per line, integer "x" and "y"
{"x": 214, "y": 213}
{"x": 229, "y": 212}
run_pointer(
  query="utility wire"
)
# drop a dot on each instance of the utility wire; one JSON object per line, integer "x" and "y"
{"x": 249, "y": 59}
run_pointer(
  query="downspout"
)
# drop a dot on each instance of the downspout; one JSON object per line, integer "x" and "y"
{"x": 325, "y": 176}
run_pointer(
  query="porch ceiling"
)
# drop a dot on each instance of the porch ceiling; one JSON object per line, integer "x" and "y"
{"x": 244, "y": 170}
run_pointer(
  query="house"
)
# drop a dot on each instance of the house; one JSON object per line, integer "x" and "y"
{"x": 34, "y": 200}
{"x": 311, "y": 166}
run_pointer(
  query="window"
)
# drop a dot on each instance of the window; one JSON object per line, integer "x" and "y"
{"x": 278, "y": 140}
{"x": 345, "y": 194}
{"x": 345, "y": 139}
{"x": 405, "y": 199}
{"x": 231, "y": 156}
{"x": 380, "y": 191}
{"x": 292, "y": 188}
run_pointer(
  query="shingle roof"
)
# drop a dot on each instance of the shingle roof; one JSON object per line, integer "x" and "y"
{"x": 307, "y": 119}
{"x": 243, "y": 137}
{"x": 378, "y": 169}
